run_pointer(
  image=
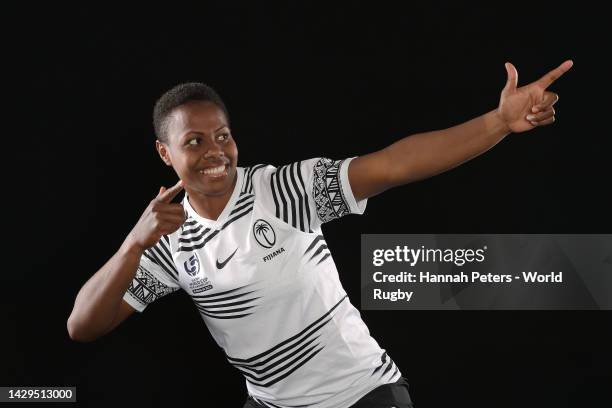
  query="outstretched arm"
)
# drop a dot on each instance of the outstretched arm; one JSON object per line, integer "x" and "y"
{"x": 426, "y": 154}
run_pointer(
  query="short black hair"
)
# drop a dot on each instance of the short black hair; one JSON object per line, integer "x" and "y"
{"x": 177, "y": 96}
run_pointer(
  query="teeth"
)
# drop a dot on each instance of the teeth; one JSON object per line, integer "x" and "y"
{"x": 213, "y": 171}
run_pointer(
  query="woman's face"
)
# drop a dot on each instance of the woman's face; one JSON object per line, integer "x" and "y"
{"x": 201, "y": 148}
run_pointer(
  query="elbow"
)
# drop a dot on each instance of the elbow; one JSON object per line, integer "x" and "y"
{"x": 76, "y": 333}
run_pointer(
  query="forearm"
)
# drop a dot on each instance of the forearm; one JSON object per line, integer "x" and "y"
{"x": 98, "y": 301}
{"x": 423, "y": 155}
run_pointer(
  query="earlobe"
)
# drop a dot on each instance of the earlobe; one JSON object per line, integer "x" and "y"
{"x": 163, "y": 152}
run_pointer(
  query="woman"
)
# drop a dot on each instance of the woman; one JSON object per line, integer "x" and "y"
{"x": 246, "y": 245}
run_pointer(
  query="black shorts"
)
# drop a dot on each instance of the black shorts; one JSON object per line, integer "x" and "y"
{"x": 385, "y": 396}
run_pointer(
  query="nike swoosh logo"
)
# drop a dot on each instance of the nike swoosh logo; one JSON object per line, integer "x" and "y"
{"x": 221, "y": 265}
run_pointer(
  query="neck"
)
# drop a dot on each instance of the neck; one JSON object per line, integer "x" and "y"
{"x": 211, "y": 206}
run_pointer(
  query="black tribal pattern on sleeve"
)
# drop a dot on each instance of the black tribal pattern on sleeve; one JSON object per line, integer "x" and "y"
{"x": 147, "y": 288}
{"x": 290, "y": 198}
{"x": 327, "y": 190}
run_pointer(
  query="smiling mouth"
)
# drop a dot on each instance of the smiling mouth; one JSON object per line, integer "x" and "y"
{"x": 215, "y": 171}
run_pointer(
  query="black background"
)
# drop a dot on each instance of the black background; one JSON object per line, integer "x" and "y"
{"x": 300, "y": 81}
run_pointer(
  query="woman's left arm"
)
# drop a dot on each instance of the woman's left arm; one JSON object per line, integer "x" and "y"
{"x": 423, "y": 155}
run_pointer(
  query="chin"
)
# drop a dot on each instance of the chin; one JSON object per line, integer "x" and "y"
{"x": 214, "y": 192}
{"x": 214, "y": 187}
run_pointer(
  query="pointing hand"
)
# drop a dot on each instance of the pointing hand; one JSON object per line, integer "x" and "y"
{"x": 161, "y": 217}
{"x": 531, "y": 105}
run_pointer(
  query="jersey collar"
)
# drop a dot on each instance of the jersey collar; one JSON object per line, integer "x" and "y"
{"x": 228, "y": 207}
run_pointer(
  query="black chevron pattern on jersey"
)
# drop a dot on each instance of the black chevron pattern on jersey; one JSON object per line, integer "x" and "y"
{"x": 196, "y": 240}
{"x": 320, "y": 252}
{"x": 190, "y": 222}
{"x": 290, "y": 197}
{"x": 244, "y": 197}
{"x": 194, "y": 233}
{"x": 247, "y": 182}
{"x": 324, "y": 257}
{"x": 190, "y": 227}
{"x": 160, "y": 255}
{"x": 275, "y": 364}
{"x": 147, "y": 288}
{"x": 327, "y": 190}
{"x": 215, "y": 306}
{"x": 385, "y": 366}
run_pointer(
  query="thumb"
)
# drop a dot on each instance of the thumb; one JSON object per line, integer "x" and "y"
{"x": 161, "y": 190}
{"x": 512, "y": 81}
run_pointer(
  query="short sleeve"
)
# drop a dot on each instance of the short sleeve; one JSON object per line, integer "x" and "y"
{"x": 155, "y": 278}
{"x": 308, "y": 193}
{"x": 332, "y": 193}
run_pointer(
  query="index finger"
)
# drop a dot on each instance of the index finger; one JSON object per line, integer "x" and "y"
{"x": 170, "y": 193}
{"x": 555, "y": 74}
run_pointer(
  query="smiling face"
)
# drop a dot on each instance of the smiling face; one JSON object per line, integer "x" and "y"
{"x": 201, "y": 149}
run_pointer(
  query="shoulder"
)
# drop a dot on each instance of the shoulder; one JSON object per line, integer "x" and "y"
{"x": 253, "y": 176}
{"x": 297, "y": 175}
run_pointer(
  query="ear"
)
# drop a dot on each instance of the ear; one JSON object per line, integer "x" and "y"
{"x": 162, "y": 149}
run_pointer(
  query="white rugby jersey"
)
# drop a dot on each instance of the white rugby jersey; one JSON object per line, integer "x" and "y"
{"x": 267, "y": 288}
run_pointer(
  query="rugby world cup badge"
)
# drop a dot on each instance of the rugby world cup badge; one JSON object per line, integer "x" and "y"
{"x": 192, "y": 265}
{"x": 199, "y": 283}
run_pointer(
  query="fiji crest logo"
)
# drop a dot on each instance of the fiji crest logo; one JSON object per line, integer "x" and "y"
{"x": 192, "y": 265}
{"x": 264, "y": 233}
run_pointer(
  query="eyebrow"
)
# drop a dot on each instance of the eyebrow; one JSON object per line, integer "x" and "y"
{"x": 200, "y": 133}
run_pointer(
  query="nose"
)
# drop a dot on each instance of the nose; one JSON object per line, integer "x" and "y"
{"x": 213, "y": 151}
{"x": 214, "y": 154}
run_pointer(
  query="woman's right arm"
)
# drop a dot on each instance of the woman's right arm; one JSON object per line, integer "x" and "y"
{"x": 99, "y": 306}
{"x": 97, "y": 303}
